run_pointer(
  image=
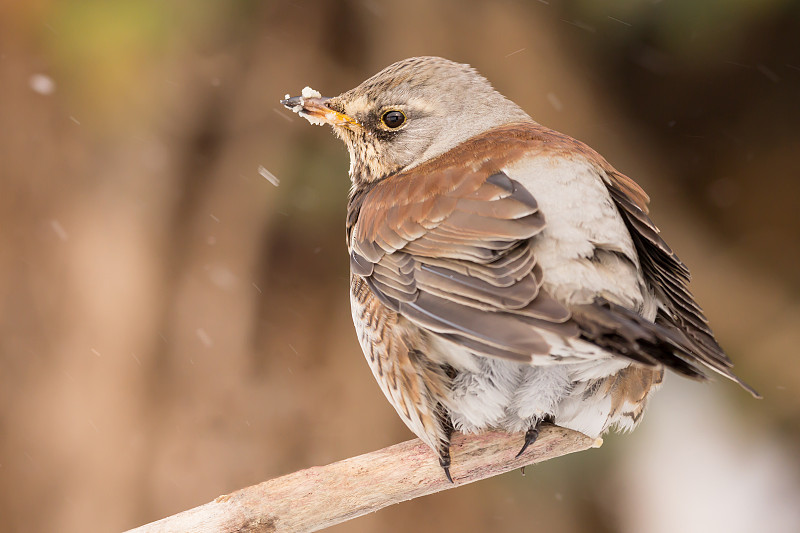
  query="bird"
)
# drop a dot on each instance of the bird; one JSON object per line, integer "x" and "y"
{"x": 502, "y": 274}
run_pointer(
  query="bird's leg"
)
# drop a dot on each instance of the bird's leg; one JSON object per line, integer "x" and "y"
{"x": 444, "y": 462}
{"x": 444, "y": 449}
{"x": 530, "y": 436}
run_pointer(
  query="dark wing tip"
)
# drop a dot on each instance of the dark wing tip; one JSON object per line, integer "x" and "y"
{"x": 745, "y": 386}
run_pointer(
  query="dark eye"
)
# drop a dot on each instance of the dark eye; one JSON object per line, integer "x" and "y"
{"x": 393, "y": 119}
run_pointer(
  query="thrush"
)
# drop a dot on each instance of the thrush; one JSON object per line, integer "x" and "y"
{"x": 502, "y": 273}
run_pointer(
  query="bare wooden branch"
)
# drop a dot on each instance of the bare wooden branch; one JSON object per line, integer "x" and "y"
{"x": 319, "y": 497}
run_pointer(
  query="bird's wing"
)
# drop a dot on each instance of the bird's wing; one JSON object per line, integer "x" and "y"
{"x": 447, "y": 244}
{"x": 450, "y": 251}
{"x": 668, "y": 277}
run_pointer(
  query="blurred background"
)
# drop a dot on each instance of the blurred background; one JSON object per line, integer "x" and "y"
{"x": 175, "y": 326}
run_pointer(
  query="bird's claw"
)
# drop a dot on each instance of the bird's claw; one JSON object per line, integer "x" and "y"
{"x": 444, "y": 462}
{"x": 530, "y": 437}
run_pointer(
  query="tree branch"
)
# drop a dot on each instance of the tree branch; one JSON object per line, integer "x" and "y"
{"x": 322, "y": 496}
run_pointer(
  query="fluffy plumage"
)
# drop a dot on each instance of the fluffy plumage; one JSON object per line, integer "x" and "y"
{"x": 502, "y": 272}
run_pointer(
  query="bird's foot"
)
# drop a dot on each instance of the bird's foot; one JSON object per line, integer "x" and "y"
{"x": 530, "y": 437}
{"x": 444, "y": 462}
{"x": 444, "y": 445}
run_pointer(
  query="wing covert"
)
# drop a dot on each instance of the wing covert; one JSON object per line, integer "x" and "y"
{"x": 451, "y": 252}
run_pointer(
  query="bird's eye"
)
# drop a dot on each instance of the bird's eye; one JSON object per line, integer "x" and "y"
{"x": 393, "y": 119}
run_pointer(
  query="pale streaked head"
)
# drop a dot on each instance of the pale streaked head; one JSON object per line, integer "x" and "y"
{"x": 410, "y": 112}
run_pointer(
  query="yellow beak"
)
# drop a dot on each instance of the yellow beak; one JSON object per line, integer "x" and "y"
{"x": 315, "y": 111}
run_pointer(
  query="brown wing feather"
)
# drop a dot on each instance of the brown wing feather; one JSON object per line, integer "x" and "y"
{"x": 470, "y": 273}
{"x": 668, "y": 276}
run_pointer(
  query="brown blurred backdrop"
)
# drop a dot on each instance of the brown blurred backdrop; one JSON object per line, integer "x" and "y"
{"x": 173, "y": 326}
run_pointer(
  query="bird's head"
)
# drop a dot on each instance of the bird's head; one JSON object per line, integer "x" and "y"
{"x": 408, "y": 113}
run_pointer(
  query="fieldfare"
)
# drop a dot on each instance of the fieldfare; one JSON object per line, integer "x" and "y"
{"x": 502, "y": 273}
